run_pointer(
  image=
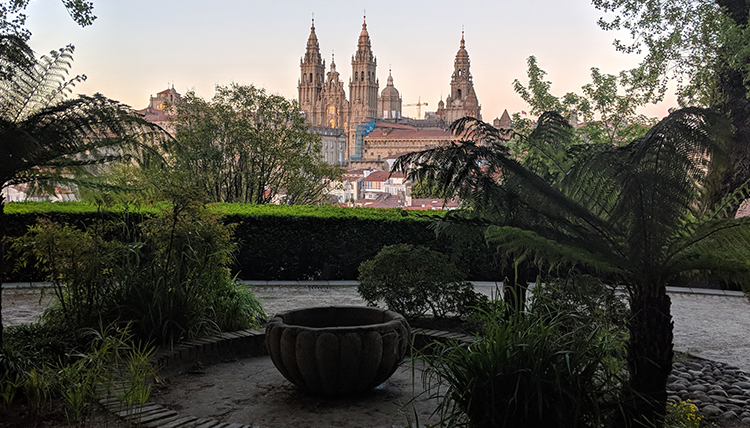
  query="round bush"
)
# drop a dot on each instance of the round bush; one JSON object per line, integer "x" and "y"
{"x": 414, "y": 280}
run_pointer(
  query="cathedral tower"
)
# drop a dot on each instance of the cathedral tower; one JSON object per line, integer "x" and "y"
{"x": 363, "y": 85}
{"x": 462, "y": 100}
{"x": 333, "y": 100}
{"x": 310, "y": 83}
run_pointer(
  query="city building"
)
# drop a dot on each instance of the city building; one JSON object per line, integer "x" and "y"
{"x": 157, "y": 111}
{"x": 371, "y": 122}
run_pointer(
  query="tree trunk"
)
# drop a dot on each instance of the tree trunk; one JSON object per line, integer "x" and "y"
{"x": 735, "y": 103}
{"x": 650, "y": 354}
{"x": 2, "y": 263}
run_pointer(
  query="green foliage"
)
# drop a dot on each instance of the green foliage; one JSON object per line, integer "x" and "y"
{"x": 243, "y": 145}
{"x": 689, "y": 40}
{"x": 703, "y": 45}
{"x": 585, "y": 299}
{"x": 415, "y": 280}
{"x": 533, "y": 369}
{"x": 608, "y": 117}
{"x": 14, "y": 50}
{"x": 47, "y": 139}
{"x": 423, "y": 189}
{"x": 638, "y": 215}
{"x": 82, "y": 365}
{"x": 166, "y": 276}
{"x": 282, "y": 242}
{"x": 683, "y": 415}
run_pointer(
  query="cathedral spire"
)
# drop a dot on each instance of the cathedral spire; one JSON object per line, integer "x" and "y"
{"x": 310, "y": 84}
{"x": 312, "y": 52}
{"x": 462, "y": 100}
{"x": 364, "y": 49}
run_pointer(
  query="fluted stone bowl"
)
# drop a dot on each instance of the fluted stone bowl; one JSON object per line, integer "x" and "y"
{"x": 337, "y": 350}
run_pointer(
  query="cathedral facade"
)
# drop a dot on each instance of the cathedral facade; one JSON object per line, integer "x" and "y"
{"x": 324, "y": 102}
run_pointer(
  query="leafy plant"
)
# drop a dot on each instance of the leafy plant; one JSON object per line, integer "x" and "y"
{"x": 37, "y": 389}
{"x": 78, "y": 368}
{"x": 683, "y": 415}
{"x": 531, "y": 370}
{"x": 638, "y": 215}
{"x": 414, "y": 280}
{"x": 166, "y": 277}
{"x": 49, "y": 140}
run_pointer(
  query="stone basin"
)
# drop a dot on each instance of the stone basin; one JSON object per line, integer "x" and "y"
{"x": 337, "y": 350}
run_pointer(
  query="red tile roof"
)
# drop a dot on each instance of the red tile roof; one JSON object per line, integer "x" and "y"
{"x": 378, "y": 176}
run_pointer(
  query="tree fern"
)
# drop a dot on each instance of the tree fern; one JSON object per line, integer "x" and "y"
{"x": 641, "y": 212}
{"x": 47, "y": 139}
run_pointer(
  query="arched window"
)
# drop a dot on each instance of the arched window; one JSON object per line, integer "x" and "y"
{"x": 311, "y": 78}
{"x": 459, "y": 94}
{"x": 363, "y": 76}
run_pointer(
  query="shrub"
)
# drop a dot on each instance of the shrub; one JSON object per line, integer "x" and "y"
{"x": 682, "y": 415}
{"x": 529, "y": 370}
{"x": 41, "y": 362}
{"x": 414, "y": 280}
{"x": 167, "y": 277}
{"x": 585, "y": 298}
{"x": 282, "y": 242}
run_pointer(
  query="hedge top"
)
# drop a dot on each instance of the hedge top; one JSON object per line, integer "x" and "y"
{"x": 224, "y": 209}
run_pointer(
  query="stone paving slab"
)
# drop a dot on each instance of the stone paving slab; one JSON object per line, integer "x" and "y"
{"x": 711, "y": 324}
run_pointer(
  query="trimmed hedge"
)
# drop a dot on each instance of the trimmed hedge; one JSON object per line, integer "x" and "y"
{"x": 285, "y": 242}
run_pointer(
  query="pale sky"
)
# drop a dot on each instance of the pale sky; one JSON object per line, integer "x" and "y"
{"x": 136, "y": 48}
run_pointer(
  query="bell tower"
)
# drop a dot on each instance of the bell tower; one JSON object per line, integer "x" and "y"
{"x": 310, "y": 84}
{"x": 462, "y": 100}
{"x": 363, "y": 85}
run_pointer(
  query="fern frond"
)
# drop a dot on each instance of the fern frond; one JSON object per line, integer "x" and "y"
{"x": 548, "y": 251}
{"x": 728, "y": 206}
{"x": 721, "y": 245}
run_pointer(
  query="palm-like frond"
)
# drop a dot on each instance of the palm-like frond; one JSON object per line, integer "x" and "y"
{"x": 716, "y": 246}
{"x": 37, "y": 86}
{"x": 640, "y": 211}
{"x": 45, "y": 136}
{"x": 632, "y": 207}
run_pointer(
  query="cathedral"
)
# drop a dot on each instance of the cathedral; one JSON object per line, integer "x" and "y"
{"x": 324, "y": 102}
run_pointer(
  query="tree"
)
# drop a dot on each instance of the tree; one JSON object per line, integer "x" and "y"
{"x": 247, "y": 146}
{"x": 608, "y": 116}
{"x": 636, "y": 214}
{"x": 48, "y": 139}
{"x": 14, "y": 48}
{"x": 705, "y": 46}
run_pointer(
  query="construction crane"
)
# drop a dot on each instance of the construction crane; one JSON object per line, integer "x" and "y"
{"x": 419, "y": 105}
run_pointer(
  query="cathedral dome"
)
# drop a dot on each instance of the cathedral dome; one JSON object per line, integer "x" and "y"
{"x": 390, "y": 91}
